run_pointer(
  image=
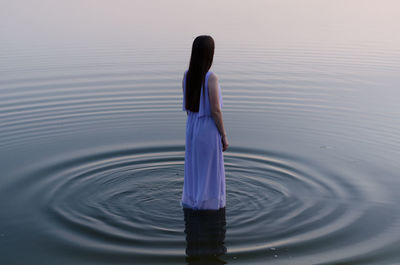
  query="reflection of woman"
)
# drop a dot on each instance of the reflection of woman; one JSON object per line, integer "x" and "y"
{"x": 204, "y": 172}
{"x": 205, "y": 235}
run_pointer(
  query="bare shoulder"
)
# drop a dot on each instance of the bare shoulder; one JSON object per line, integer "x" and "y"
{"x": 213, "y": 77}
{"x": 213, "y": 81}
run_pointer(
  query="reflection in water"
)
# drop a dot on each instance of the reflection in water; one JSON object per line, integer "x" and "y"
{"x": 205, "y": 235}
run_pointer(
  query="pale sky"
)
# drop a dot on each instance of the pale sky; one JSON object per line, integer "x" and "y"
{"x": 145, "y": 22}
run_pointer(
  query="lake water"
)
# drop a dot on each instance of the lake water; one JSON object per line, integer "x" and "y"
{"x": 92, "y": 132}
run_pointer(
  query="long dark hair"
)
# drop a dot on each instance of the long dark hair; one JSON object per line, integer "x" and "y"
{"x": 200, "y": 62}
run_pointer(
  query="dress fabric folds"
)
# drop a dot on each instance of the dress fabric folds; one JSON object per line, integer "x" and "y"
{"x": 204, "y": 172}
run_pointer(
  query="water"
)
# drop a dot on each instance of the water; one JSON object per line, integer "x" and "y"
{"x": 92, "y": 132}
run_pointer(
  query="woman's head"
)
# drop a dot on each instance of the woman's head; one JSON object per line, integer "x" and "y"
{"x": 200, "y": 62}
{"x": 202, "y": 52}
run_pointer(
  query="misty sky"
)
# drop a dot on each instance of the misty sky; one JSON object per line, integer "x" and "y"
{"x": 144, "y": 22}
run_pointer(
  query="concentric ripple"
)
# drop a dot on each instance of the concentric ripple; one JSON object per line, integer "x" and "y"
{"x": 291, "y": 206}
{"x": 124, "y": 203}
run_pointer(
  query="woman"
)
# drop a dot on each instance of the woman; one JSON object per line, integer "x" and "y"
{"x": 206, "y": 139}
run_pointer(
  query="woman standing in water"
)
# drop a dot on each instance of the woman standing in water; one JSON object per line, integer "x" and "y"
{"x": 206, "y": 139}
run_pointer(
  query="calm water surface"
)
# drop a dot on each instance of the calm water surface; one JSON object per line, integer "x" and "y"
{"x": 92, "y": 132}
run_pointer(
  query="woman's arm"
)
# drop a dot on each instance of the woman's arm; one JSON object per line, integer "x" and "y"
{"x": 216, "y": 109}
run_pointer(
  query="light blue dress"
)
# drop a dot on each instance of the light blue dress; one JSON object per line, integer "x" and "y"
{"x": 204, "y": 172}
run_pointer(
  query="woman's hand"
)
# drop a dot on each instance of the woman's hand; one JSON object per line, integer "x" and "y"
{"x": 225, "y": 143}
